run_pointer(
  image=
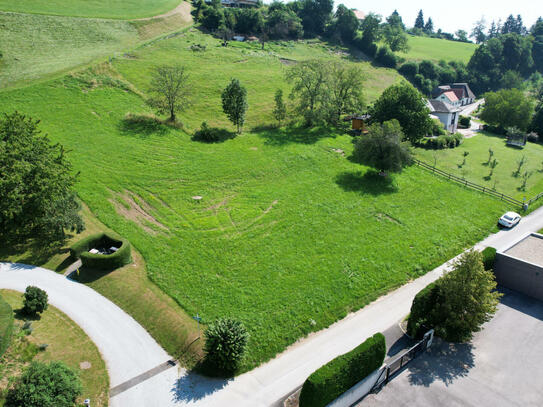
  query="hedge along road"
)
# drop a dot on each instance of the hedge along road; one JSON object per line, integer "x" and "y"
{"x": 136, "y": 363}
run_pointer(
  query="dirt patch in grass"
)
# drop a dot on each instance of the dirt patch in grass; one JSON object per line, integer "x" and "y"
{"x": 287, "y": 62}
{"x": 134, "y": 208}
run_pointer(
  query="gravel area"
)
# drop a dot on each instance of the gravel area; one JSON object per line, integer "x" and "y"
{"x": 529, "y": 249}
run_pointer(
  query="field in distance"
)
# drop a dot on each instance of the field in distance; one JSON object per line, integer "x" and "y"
{"x": 119, "y": 9}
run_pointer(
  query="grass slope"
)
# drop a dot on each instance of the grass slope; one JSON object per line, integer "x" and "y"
{"x": 290, "y": 235}
{"x": 436, "y": 49}
{"x": 37, "y": 46}
{"x": 477, "y": 170}
{"x": 119, "y": 9}
{"x": 67, "y": 343}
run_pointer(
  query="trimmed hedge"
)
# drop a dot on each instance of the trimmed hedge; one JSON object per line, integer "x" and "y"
{"x": 112, "y": 261}
{"x": 336, "y": 377}
{"x": 423, "y": 310}
{"x": 6, "y": 325}
{"x": 489, "y": 256}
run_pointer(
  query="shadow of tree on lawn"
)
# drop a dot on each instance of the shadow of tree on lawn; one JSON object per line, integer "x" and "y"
{"x": 444, "y": 361}
{"x": 295, "y": 134}
{"x": 369, "y": 182}
{"x": 142, "y": 125}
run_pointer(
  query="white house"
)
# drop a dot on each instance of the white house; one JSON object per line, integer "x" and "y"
{"x": 461, "y": 90}
{"x": 446, "y": 113}
{"x": 450, "y": 98}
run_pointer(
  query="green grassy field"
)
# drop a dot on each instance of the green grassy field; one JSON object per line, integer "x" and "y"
{"x": 436, "y": 49}
{"x": 477, "y": 170}
{"x": 290, "y": 235}
{"x": 119, "y": 9}
{"x": 66, "y": 343}
{"x": 39, "y": 46}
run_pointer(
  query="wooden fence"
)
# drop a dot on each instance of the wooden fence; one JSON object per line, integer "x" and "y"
{"x": 484, "y": 190}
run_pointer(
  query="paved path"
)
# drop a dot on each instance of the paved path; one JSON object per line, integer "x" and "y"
{"x": 126, "y": 347}
{"x": 130, "y": 352}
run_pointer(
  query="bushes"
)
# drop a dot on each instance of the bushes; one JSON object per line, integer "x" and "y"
{"x": 447, "y": 141}
{"x": 386, "y": 57}
{"x": 45, "y": 385}
{"x": 465, "y": 121}
{"x": 226, "y": 342}
{"x": 421, "y": 315}
{"x": 102, "y": 240}
{"x": 35, "y": 300}
{"x": 339, "y": 375}
{"x": 208, "y": 134}
{"x": 489, "y": 256}
{"x": 409, "y": 70}
{"x": 6, "y": 325}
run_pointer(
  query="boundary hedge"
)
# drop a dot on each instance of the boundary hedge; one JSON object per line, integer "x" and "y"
{"x": 340, "y": 374}
{"x": 6, "y": 325}
{"x": 489, "y": 256}
{"x": 112, "y": 261}
{"x": 421, "y": 317}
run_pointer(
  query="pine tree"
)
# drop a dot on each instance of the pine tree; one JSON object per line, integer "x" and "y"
{"x": 419, "y": 22}
{"x": 429, "y": 27}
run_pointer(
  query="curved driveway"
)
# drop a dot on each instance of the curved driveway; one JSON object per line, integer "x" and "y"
{"x": 126, "y": 347}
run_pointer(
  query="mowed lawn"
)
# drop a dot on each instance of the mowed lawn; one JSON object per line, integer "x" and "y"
{"x": 476, "y": 169}
{"x": 66, "y": 342}
{"x": 290, "y": 235}
{"x": 436, "y": 49}
{"x": 119, "y": 9}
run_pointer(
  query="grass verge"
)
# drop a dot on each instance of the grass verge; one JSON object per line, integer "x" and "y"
{"x": 67, "y": 343}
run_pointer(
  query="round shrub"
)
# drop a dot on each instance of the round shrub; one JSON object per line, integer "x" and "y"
{"x": 45, "y": 385}
{"x": 489, "y": 256}
{"x": 6, "y": 325}
{"x": 336, "y": 377}
{"x": 409, "y": 69}
{"x": 386, "y": 57}
{"x": 225, "y": 344}
{"x": 465, "y": 121}
{"x": 35, "y": 300}
{"x": 102, "y": 241}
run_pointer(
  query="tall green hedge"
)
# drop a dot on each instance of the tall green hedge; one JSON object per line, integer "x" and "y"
{"x": 489, "y": 256}
{"x": 336, "y": 377}
{"x": 423, "y": 310}
{"x": 112, "y": 261}
{"x": 6, "y": 325}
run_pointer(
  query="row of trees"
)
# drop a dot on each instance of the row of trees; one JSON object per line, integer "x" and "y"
{"x": 422, "y": 28}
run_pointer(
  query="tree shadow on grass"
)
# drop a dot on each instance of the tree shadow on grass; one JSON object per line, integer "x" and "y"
{"x": 286, "y": 135}
{"x": 369, "y": 182}
{"x": 444, "y": 361}
{"x": 142, "y": 125}
{"x": 35, "y": 251}
{"x": 21, "y": 315}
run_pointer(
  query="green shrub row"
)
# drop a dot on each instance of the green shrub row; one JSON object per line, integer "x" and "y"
{"x": 6, "y": 325}
{"x": 489, "y": 256}
{"x": 112, "y": 261}
{"x": 448, "y": 141}
{"x": 336, "y": 377}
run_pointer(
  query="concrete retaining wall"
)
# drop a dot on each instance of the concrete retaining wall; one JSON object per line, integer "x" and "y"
{"x": 519, "y": 275}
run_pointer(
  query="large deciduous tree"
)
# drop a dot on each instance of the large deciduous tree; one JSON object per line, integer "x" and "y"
{"x": 36, "y": 182}
{"x": 405, "y": 104}
{"x": 234, "y": 103}
{"x": 170, "y": 90}
{"x": 382, "y": 148}
{"x": 508, "y": 108}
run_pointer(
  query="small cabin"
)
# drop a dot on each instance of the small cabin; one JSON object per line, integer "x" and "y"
{"x": 359, "y": 123}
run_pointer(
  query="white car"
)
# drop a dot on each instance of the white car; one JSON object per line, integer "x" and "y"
{"x": 509, "y": 220}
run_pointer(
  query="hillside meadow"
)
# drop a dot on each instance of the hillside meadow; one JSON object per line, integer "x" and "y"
{"x": 118, "y": 9}
{"x": 437, "y": 49}
{"x": 290, "y": 235}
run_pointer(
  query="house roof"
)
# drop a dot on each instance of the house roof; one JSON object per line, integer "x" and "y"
{"x": 451, "y": 96}
{"x": 359, "y": 14}
{"x": 459, "y": 92}
{"x": 438, "y": 106}
{"x": 466, "y": 88}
